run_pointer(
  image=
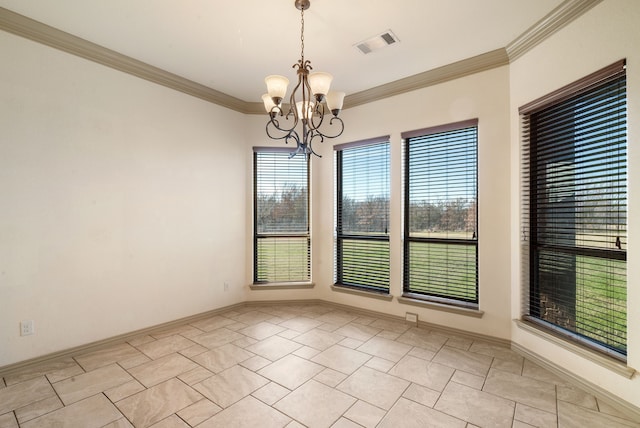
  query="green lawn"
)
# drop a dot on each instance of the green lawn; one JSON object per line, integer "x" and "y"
{"x": 601, "y": 309}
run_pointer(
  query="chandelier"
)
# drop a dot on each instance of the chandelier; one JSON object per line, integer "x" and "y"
{"x": 309, "y": 103}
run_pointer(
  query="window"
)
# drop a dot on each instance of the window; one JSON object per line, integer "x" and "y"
{"x": 362, "y": 246}
{"x": 281, "y": 217}
{"x": 574, "y": 211}
{"x": 440, "y": 224}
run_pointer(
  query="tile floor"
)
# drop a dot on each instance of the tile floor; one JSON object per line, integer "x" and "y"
{"x": 294, "y": 366}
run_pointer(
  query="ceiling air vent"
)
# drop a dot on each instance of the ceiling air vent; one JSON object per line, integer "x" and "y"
{"x": 377, "y": 42}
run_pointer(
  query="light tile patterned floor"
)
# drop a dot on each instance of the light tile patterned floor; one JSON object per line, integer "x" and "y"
{"x": 294, "y": 366}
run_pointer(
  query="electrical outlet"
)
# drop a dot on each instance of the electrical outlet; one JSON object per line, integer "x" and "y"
{"x": 412, "y": 318}
{"x": 226, "y": 286}
{"x": 26, "y": 328}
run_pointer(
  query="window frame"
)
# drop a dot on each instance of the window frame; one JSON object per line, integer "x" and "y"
{"x": 340, "y": 237}
{"x": 530, "y": 247}
{"x": 257, "y": 236}
{"x": 408, "y": 292}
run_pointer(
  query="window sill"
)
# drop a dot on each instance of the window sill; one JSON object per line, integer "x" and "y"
{"x": 364, "y": 293}
{"x": 282, "y": 286}
{"x": 607, "y": 362}
{"x": 425, "y": 302}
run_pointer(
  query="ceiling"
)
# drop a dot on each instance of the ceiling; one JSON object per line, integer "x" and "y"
{"x": 231, "y": 46}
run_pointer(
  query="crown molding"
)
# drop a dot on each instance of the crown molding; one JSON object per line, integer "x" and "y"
{"x": 36, "y": 31}
{"x": 435, "y": 76}
{"x": 559, "y": 17}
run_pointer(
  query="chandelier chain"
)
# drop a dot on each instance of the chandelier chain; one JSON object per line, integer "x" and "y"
{"x": 302, "y": 34}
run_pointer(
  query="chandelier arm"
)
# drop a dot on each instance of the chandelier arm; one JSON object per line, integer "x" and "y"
{"x": 288, "y": 134}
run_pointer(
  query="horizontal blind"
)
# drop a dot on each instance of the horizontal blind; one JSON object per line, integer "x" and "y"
{"x": 362, "y": 251}
{"x": 441, "y": 214}
{"x": 575, "y": 180}
{"x": 281, "y": 217}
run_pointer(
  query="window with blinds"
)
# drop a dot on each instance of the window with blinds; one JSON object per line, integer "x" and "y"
{"x": 362, "y": 223}
{"x": 440, "y": 224}
{"x": 574, "y": 236}
{"x": 281, "y": 216}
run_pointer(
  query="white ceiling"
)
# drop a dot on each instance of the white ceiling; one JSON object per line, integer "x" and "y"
{"x": 232, "y": 45}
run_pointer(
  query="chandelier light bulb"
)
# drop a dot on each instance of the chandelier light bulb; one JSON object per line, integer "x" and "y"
{"x": 305, "y": 113}
{"x": 276, "y": 87}
{"x": 320, "y": 82}
{"x": 335, "y": 101}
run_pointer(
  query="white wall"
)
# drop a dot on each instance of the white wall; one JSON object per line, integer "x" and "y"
{"x": 119, "y": 202}
{"x": 484, "y": 96}
{"x": 605, "y": 34}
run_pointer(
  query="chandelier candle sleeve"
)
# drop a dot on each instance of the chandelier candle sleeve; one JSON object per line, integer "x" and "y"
{"x": 303, "y": 120}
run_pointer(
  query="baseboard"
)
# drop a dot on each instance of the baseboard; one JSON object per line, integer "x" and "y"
{"x": 624, "y": 407}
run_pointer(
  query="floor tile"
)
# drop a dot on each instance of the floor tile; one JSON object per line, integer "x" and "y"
{"x": 162, "y": 369}
{"x": 466, "y": 361}
{"x": 380, "y": 364}
{"x": 8, "y": 420}
{"x": 291, "y": 371}
{"x": 92, "y": 412}
{"x": 341, "y": 359}
{"x": 248, "y": 412}
{"x": 534, "y": 371}
{"x": 213, "y": 323}
{"x": 365, "y": 414}
{"x": 389, "y": 325}
{"x": 216, "y": 338}
{"x": 431, "y": 375}
{"x": 185, "y": 330}
{"x": 409, "y": 414}
{"x": 306, "y": 352}
{"x": 576, "y": 396}
{"x": 420, "y": 394}
{"x": 345, "y": 423}
{"x": 222, "y": 358}
{"x": 374, "y": 387}
{"x": 199, "y": 412}
{"x": 315, "y": 404}
{"x": 104, "y": 357}
{"x": 301, "y": 324}
{"x": 330, "y": 377}
{"x": 141, "y": 340}
{"x": 46, "y": 368}
{"x": 274, "y": 347}
{"x": 319, "y": 339}
{"x": 478, "y": 407}
{"x": 270, "y": 393}
{"x": 65, "y": 373}
{"x": 255, "y": 363}
{"x": 24, "y": 393}
{"x": 570, "y": 416}
{"x": 358, "y": 331}
{"x": 196, "y": 375}
{"x": 337, "y": 317}
{"x": 262, "y": 330}
{"x": 252, "y": 317}
{"x": 165, "y": 346}
{"x": 192, "y": 351}
{"x": 38, "y": 409}
{"x": 154, "y": 404}
{"x": 459, "y": 342}
{"x": 172, "y": 421}
{"x": 535, "y": 417}
{"x": 423, "y": 339}
{"x": 91, "y": 383}
{"x": 123, "y": 391}
{"x": 385, "y": 348}
{"x": 425, "y": 354}
{"x": 230, "y": 386}
{"x": 534, "y": 393}
{"x": 120, "y": 423}
{"x": 468, "y": 379}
